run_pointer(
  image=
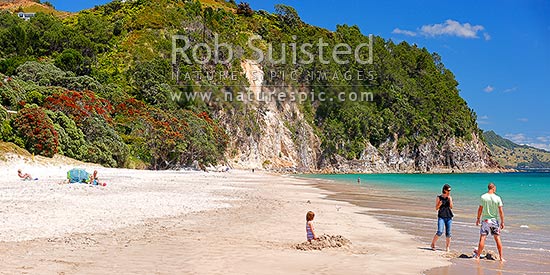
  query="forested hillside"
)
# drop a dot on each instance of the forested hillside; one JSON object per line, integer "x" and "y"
{"x": 99, "y": 86}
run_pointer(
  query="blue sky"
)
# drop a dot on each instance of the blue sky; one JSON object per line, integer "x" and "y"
{"x": 499, "y": 51}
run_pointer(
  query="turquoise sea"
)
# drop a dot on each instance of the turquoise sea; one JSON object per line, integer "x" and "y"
{"x": 406, "y": 201}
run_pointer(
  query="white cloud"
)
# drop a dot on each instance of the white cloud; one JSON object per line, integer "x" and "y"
{"x": 489, "y": 89}
{"x": 542, "y": 142}
{"x": 523, "y": 119}
{"x": 449, "y": 27}
{"x": 509, "y": 90}
{"x": 517, "y": 138}
{"x": 452, "y": 28}
{"x": 543, "y": 146}
{"x": 405, "y": 32}
{"x": 483, "y": 120}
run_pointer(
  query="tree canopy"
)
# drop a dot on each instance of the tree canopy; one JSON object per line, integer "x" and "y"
{"x": 104, "y": 79}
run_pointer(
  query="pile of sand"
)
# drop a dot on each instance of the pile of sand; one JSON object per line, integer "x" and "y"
{"x": 325, "y": 241}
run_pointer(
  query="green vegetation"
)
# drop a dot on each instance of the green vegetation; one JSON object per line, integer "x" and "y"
{"x": 512, "y": 155}
{"x": 104, "y": 78}
{"x": 36, "y": 130}
{"x": 494, "y": 140}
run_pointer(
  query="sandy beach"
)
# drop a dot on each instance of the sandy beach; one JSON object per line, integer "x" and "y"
{"x": 188, "y": 222}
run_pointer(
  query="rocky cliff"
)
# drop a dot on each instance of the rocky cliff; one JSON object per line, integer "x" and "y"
{"x": 285, "y": 141}
{"x": 453, "y": 155}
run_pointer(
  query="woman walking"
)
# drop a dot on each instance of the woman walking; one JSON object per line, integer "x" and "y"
{"x": 444, "y": 206}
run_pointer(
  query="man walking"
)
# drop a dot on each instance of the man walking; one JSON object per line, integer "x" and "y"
{"x": 489, "y": 206}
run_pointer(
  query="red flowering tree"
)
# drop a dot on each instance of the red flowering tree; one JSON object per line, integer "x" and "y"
{"x": 157, "y": 136}
{"x": 92, "y": 115}
{"x": 36, "y": 129}
{"x": 79, "y": 105}
{"x": 170, "y": 139}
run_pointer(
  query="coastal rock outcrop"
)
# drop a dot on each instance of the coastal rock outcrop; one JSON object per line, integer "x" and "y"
{"x": 277, "y": 136}
{"x": 451, "y": 155}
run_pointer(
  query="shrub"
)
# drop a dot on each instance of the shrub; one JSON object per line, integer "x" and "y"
{"x": 8, "y": 96}
{"x": 105, "y": 146}
{"x": 244, "y": 9}
{"x": 149, "y": 81}
{"x": 37, "y": 131}
{"x": 3, "y": 113}
{"x": 47, "y": 74}
{"x": 71, "y": 139}
{"x": 34, "y": 97}
{"x": 6, "y": 132}
{"x": 9, "y": 65}
{"x": 70, "y": 60}
{"x": 92, "y": 115}
{"x": 172, "y": 139}
{"x": 288, "y": 15}
{"x": 37, "y": 71}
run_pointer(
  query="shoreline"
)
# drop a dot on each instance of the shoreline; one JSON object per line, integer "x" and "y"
{"x": 265, "y": 218}
{"x": 286, "y": 171}
{"x": 407, "y": 214}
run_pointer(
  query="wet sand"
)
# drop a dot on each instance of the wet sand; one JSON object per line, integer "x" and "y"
{"x": 417, "y": 218}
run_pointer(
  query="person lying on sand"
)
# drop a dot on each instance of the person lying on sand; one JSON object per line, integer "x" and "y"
{"x": 25, "y": 176}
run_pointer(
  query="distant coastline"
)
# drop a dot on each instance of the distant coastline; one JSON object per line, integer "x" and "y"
{"x": 434, "y": 171}
{"x": 534, "y": 170}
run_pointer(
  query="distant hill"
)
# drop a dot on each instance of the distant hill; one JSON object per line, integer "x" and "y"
{"x": 513, "y": 155}
{"x": 31, "y": 6}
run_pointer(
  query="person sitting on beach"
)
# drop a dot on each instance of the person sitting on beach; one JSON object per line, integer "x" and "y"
{"x": 77, "y": 175}
{"x": 94, "y": 178}
{"x": 310, "y": 231}
{"x": 25, "y": 176}
{"x": 444, "y": 206}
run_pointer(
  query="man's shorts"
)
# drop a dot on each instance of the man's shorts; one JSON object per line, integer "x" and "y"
{"x": 490, "y": 225}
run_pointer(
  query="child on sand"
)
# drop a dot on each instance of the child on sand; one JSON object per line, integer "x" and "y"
{"x": 310, "y": 231}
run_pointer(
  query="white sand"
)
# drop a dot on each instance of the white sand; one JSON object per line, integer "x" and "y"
{"x": 151, "y": 222}
{"x": 44, "y": 208}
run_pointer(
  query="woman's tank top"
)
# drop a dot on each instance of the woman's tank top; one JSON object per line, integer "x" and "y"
{"x": 445, "y": 208}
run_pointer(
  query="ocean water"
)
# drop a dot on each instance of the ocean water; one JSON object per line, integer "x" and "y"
{"x": 407, "y": 202}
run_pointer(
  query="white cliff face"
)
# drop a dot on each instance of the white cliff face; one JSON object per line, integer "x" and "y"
{"x": 285, "y": 139}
